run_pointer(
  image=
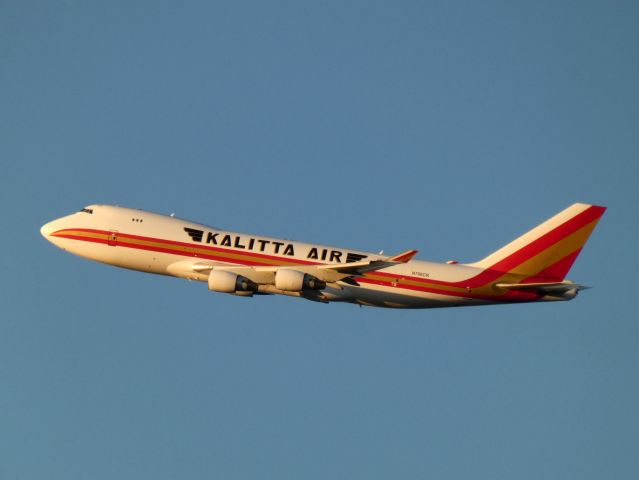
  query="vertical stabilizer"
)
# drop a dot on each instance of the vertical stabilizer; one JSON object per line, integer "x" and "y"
{"x": 547, "y": 251}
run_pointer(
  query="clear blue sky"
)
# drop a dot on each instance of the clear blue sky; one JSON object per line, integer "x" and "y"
{"x": 450, "y": 127}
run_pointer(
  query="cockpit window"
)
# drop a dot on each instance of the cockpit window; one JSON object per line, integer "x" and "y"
{"x": 87, "y": 210}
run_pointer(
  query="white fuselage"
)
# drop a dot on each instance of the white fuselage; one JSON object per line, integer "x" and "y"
{"x": 161, "y": 244}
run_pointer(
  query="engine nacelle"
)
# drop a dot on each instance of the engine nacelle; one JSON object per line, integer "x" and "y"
{"x": 229, "y": 282}
{"x": 296, "y": 281}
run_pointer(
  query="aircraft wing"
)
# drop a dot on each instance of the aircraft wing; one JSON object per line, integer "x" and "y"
{"x": 330, "y": 273}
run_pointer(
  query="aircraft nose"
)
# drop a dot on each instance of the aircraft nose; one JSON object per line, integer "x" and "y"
{"x": 47, "y": 229}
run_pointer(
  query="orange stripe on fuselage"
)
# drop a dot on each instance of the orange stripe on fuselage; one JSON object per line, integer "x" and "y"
{"x": 179, "y": 248}
{"x": 463, "y": 289}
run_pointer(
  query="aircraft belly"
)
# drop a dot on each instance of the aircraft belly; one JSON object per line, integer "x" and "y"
{"x": 392, "y": 297}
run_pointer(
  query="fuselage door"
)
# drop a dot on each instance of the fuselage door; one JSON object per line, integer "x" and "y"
{"x": 112, "y": 239}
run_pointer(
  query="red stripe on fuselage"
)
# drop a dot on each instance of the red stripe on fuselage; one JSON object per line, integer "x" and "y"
{"x": 121, "y": 242}
{"x": 257, "y": 259}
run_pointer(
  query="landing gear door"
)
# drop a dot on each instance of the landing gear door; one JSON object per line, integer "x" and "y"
{"x": 112, "y": 239}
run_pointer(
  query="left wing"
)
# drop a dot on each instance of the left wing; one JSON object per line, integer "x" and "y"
{"x": 330, "y": 273}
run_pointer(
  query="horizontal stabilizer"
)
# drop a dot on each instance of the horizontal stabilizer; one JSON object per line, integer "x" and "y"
{"x": 543, "y": 288}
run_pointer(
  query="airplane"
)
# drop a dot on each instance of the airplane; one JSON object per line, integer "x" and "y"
{"x": 531, "y": 268}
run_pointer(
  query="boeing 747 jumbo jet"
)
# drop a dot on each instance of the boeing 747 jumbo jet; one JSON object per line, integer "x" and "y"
{"x": 531, "y": 268}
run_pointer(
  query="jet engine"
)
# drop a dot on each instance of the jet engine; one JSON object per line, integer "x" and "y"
{"x": 228, "y": 282}
{"x": 296, "y": 281}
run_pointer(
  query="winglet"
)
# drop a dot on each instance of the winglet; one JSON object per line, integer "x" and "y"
{"x": 403, "y": 257}
{"x": 361, "y": 267}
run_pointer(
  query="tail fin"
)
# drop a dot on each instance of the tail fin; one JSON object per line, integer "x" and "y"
{"x": 547, "y": 251}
